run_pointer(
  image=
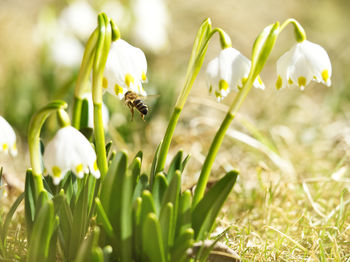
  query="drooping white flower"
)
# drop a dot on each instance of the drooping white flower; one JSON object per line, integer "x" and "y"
{"x": 229, "y": 71}
{"x": 125, "y": 69}
{"x": 150, "y": 25}
{"x": 7, "y": 138}
{"x": 69, "y": 150}
{"x": 305, "y": 62}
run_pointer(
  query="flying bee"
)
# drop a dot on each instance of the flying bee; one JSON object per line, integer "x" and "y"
{"x": 132, "y": 100}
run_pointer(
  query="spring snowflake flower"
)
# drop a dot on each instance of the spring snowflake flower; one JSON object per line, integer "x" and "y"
{"x": 229, "y": 71}
{"x": 306, "y": 61}
{"x": 7, "y": 138}
{"x": 69, "y": 150}
{"x": 125, "y": 69}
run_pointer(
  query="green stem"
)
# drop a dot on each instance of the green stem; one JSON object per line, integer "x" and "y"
{"x": 100, "y": 140}
{"x": 100, "y": 59}
{"x": 198, "y": 53}
{"x": 216, "y": 143}
{"x": 299, "y": 31}
{"x": 34, "y": 130}
{"x": 83, "y": 78}
{"x": 77, "y": 104}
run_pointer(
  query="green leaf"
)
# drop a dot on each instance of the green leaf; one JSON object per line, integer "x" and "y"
{"x": 66, "y": 223}
{"x": 80, "y": 220}
{"x": 9, "y": 216}
{"x": 166, "y": 219}
{"x": 184, "y": 163}
{"x": 84, "y": 119}
{"x": 103, "y": 219}
{"x": 182, "y": 243}
{"x": 174, "y": 165}
{"x": 97, "y": 255}
{"x": 184, "y": 219}
{"x": 141, "y": 185}
{"x": 159, "y": 187}
{"x": 84, "y": 253}
{"x": 135, "y": 168}
{"x": 152, "y": 248}
{"x": 39, "y": 243}
{"x": 205, "y": 213}
{"x": 111, "y": 185}
{"x": 107, "y": 253}
{"x": 137, "y": 228}
{"x": 147, "y": 205}
{"x": 154, "y": 163}
{"x": 29, "y": 201}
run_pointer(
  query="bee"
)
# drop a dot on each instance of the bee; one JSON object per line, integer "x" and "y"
{"x": 132, "y": 100}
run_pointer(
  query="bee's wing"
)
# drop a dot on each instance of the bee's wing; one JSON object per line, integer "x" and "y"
{"x": 149, "y": 96}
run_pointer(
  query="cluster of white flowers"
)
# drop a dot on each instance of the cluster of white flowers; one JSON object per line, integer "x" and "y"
{"x": 305, "y": 62}
{"x": 7, "y": 138}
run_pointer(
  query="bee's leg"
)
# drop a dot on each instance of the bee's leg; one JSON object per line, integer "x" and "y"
{"x": 143, "y": 117}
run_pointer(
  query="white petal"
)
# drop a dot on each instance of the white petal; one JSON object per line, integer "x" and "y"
{"x": 68, "y": 150}
{"x": 7, "y": 138}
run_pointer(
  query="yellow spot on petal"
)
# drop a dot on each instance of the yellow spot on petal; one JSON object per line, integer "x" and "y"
{"x": 144, "y": 77}
{"x": 223, "y": 85}
{"x": 56, "y": 171}
{"x": 217, "y": 94}
{"x": 129, "y": 79}
{"x": 325, "y": 75}
{"x": 259, "y": 80}
{"x": 210, "y": 88}
{"x": 104, "y": 83}
{"x": 290, "y": 81}
{"x": 244, "y": 80}
{"x": 79, "y": 168}
{"x": 118, "y": 89}
{"x": 95, "y": 166}
{"x": 279, "y": 82}
{"x": 301, "y": 81}
{"x": 5, "y": 147}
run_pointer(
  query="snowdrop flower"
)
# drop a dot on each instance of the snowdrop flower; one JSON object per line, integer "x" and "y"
{"x": 70, "y": 150}
{"x": 150, "y": 25}
{"x": 229, "y": 71}
{"x": 306, "y": 61}
{"x": 7, "y": 138}
{"x": 125, "y": 69}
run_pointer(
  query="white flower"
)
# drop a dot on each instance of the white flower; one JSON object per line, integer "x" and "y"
{"x": 150, "y": 25}
{"x": 125, "y": 70}
{"x": 229, "y": 71}
{"x": 79, "y": 19}
{"x": 69, "y": 150}
{"x": 306, "y": 61}
{"x": 7, "y": 138}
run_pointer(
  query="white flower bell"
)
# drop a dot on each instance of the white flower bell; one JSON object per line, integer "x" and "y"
{"x": 7, "y": 138}
{"x": 125, "y": 69}
{"x": 229, "y": 71}
{"x": 306, "y": 61}
{"x": 69, "y": 150}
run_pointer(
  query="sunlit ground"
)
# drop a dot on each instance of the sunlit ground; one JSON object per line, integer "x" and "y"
{"x": 291, "y": 147}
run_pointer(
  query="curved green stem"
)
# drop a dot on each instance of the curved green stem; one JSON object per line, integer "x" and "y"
{"x": 83, "y": 78}
{"x": 101, "y": 54}
{"x": 35, "y": 126}
{"x": 205, "y": 33}
{"x": 299, "y": 31}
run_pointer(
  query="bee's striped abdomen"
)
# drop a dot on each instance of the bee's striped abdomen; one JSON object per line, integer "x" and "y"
{"x": 139, "y": 104}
